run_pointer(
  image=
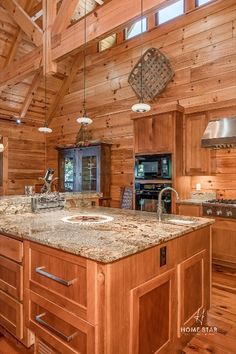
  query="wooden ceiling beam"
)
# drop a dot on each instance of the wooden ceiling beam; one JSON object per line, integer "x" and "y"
{"x": 26, "y": 4}
{"x": 49, "y": 15}
{"x": 21, "y": 68}
{"x": 30, "y": 94}
{"x": 106, "y": 19}
{"x": 24, "y": 21}
{"x": 65, "y": 86}
{"x": 64, "y": 15}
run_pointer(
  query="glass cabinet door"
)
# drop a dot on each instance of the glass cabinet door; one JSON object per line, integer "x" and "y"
{"x": 90, "y": 162}
{"x": 68, "y": 171}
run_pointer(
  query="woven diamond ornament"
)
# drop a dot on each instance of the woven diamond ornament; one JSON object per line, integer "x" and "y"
{"x": 151, "y": 74}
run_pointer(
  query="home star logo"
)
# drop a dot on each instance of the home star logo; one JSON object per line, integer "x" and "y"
{"x": 200, "y": 316}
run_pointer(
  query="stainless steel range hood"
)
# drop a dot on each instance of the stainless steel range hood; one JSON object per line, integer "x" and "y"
{"x": 220, "y": 133}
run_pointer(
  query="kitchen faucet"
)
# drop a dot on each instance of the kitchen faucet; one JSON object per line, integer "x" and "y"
{"x": 159, "y": 206}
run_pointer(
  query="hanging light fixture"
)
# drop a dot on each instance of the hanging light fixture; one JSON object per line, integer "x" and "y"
{"x": 141, "y": 107}
{"x": 2, "y": 146}
{"x": 45, "y": 129}
{"x": 84, "y": 120}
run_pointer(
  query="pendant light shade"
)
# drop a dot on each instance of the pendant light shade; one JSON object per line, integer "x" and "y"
{"x": 141, "y": 107}
{"x": 84, "y": 120}
{"x": 45, "y": 129}
{"x": 2, "y": 147}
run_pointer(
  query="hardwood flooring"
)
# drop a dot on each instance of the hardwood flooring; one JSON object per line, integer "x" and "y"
{"x": 221, "y": 315}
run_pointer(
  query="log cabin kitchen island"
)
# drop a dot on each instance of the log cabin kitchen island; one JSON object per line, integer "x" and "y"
{"x": 128, "y": 285}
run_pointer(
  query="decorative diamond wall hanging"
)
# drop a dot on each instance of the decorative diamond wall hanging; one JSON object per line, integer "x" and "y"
{"x": 157, "y": 72}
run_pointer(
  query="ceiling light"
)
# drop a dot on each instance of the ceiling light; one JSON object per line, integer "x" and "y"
{"x": 1, "y": 147}
{"x": 45, "y": 129}
{"x": 18, "y": 121}
{"x": 84, "y": 120}
{"x": 141, "y": 107}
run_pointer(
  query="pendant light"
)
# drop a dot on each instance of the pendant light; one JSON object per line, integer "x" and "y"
{"x": 45, "y": 129}
{"x": 141, "y": 107}
{"x": 2, "y": 147}
{"x": 85, "y": 120}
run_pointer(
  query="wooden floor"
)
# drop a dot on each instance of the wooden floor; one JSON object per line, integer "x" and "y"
{"x": 221, "y": 315}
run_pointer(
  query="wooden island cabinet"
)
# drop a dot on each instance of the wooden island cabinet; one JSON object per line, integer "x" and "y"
{"x": 135, "y": 305}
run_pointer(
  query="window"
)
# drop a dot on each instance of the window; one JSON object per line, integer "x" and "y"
{"x": 107, "y": 42}
{"x": 202, "y": 2}
{"x": 135, "y": 29}
{"x": 170, "y": 12}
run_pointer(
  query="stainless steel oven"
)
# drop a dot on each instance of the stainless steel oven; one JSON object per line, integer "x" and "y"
{"x": 146, "y": 196}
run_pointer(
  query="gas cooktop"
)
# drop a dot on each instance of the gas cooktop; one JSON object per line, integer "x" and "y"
{"x": 224, "y": 208}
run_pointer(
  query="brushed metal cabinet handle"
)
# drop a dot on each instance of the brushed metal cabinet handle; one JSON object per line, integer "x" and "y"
{"x": 38, "y": 319}
{"x": 40, "y": 271}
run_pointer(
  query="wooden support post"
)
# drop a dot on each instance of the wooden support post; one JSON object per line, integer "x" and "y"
{"x": 49, "y": 15}
{"x": 64, "y": 15}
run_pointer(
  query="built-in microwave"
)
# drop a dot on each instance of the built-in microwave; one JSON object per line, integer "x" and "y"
{"x": 153, "y": 167}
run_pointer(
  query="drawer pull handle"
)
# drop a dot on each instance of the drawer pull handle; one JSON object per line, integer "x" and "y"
{"x": 38, "y": 319}
{"x": 40, "y": 271}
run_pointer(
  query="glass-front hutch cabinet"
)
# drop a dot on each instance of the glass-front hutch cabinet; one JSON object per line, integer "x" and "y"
{"x": 85, "y": 169}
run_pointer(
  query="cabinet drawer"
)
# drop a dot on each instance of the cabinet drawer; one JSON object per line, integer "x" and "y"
{"x": 11, "y": 277}
{"x": 61, "y": 329}
{"x": 11, "y": 315}
{"x": 59, "y": 277}
{"x": 11, "y": 248}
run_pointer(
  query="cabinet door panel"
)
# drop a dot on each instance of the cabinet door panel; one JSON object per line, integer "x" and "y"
{"x": 191, "y": 289}
{"x": 151, "y": 315}
{"x": 189, "y": 210}
{"x": 162, "y": 134}
{"x": 224, "y": 241}
{"x": 197, "y": 159}
{"x": 143, "y": 135}
{"x": 11, "y": 315}
{"x": 11, "y": 278}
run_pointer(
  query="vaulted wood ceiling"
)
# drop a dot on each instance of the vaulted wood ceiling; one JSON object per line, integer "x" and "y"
{"x": 21, "y": 33}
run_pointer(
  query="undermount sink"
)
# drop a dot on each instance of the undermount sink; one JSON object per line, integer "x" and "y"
{"x": 180, "y": 221}
{"x": 87, "y": 219}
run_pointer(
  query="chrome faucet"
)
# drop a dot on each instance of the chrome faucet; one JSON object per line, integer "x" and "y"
{"x": 159, "y": 206}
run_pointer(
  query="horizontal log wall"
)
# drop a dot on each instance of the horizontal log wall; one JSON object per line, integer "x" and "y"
{"x": 202, "y": 49}
{"x": 26, "y": 156}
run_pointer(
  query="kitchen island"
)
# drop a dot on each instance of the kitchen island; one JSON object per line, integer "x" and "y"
{"x": 125, "y": 284}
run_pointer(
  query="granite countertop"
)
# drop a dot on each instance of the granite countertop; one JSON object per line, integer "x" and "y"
{"x": 190, "y": 201}
{"x": 129, "y": 231}
{"x": 197, "y": 198}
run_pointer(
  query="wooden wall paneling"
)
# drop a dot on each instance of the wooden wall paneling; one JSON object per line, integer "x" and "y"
{"x": 24, "y": 157}
{"x": 193, "y": 52}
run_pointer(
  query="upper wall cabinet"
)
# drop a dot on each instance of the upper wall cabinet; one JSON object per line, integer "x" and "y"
{"x": 85, "y": 169}
{"x": 197, "y": 159}
{"x": 154, "y": 134}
